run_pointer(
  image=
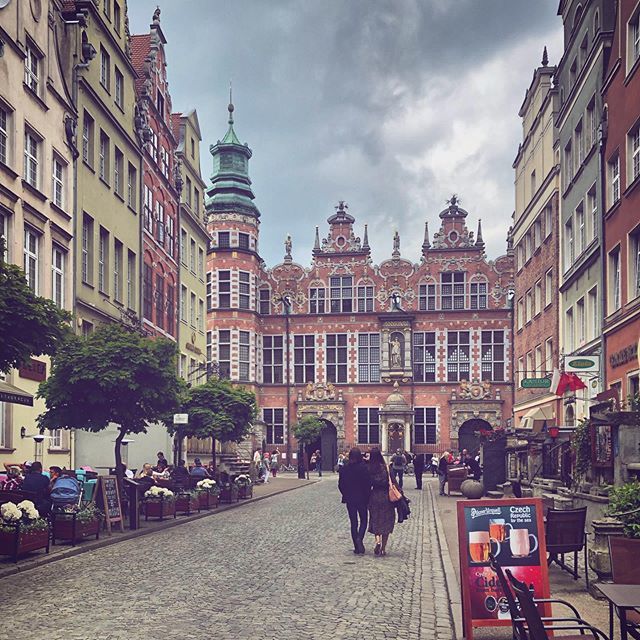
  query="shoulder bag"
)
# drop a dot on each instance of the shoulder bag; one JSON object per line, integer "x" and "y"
{"x": 394, "y": 492}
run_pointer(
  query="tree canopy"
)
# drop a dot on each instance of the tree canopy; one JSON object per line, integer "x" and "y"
{"x": 29, "y": 324}
{"x": 307, "y": 429}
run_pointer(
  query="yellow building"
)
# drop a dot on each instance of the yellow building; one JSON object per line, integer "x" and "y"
{"x": 37, "y": 122}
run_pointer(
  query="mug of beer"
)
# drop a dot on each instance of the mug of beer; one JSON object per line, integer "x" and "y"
{"x": 519, "y": 542}
{"x": 480, "y": 546}
{"x": 498, "y": 529}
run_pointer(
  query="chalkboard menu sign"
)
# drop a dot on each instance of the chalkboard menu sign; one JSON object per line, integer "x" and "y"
{"x": 108, "y": 499}
{"x": 513, "y": 530}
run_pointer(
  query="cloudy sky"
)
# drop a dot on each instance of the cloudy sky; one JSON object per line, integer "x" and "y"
{"x": 390, "y": 105}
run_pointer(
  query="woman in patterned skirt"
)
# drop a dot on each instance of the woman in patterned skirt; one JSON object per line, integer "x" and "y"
{"x": 382, "y": 513}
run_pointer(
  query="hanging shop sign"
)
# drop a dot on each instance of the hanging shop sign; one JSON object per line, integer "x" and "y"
{"x": 535, "y": 383}
{"x": 582, "y": 364}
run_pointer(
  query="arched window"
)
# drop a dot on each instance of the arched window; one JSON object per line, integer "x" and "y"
{"x": 365, "y": 294}
{"x": 478, "y": 289}
{"x": 577, "y": 16}
{"x": 569, "y": 416}
{"x": 317, "y": 297}
{"x": 264, "y": 302}
{"x": 427, "y": 295}
{"x": 596, "y": 22}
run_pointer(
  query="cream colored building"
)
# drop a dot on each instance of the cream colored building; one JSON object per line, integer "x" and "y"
{"x": 36, "y": 198}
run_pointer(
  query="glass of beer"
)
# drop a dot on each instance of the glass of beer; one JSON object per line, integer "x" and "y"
{"x": 520, "y": 545}
{"x": 480, "y": 546}
{"x": 498, "y": 529}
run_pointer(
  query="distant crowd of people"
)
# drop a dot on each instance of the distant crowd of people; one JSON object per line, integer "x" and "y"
{"x": 180, "y": 475}
{"x": 463, "y": 459}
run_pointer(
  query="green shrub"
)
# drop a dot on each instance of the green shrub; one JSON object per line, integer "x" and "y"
{"x": 624, "y": 504}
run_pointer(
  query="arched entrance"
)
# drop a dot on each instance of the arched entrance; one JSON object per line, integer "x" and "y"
{"x": 327, "y": 443}
{"x": 467, "y": 438}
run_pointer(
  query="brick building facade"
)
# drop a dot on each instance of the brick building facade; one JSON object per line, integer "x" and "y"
{"x": 392, "y": 355}
{"x": 162, "y": 183}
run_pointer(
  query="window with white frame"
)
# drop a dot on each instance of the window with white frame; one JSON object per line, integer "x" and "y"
{"x": 538, "y": 361}
{"x": 131, "y": 279}
{"x": 458, "y": 356}
{"x": 568, "y": 165}
{"x": 88, "y": 127}
{"x": 633, "y": 39}
{"x": 592, "y": 211}
{"x": 304, "y": 358}
{"x": 118, "y": 171}
{"x": 341, "y": 294}
{"x": 265, "y": 301}
{"x": 613, "y": 172}
{"x": 478, "y": 295}
{"x": 522, "y": 373}
{"x": 244, "y": 290}
{"x": 132, "y": 186}
{"x": 105, "y": 68}
{"x": 368, "y": 357}
{"x": 118, "y": 256}
{"x": 103, "y": 260}
{"x": 147, "y": 291}
{"x": 634, "y": 154}
{"x": 592, "y": 124}
{"x": 634, "y": 264}
{"x": 452, "y": 285}
{"x": 274, "y": 419}
{"x": 581, "y": 326}
{"x": 243, "y": 240}
{"x": 183, "y": 246}
{"x": 119, "y": 88}
{"x": 224, "y": 353}
{"x": 548, "y": 287}
{"x": 528, "y": 306}
{"x": 4, "y": 233}
{"x": 520, "y": 313}
{"x": 244, "y": 349}
{"x": 31, "y": 254}
{"x": 58, "y": 258}
{"x": 32, "y": 68}
{"x": 427, "y": 296}
{"x": 317, "y": 299}
{"x": 31, "y": 157}
{"x": 425, "y": 425}
{"x": 548, "y": 356}
{"x": 103, "y": 159}
{"x": 594, "y": 313}
{"x": 192, "y": 310}
{"x": 336, "y": 354}
{"x": 424, "y": 356}
{"x": 569, "y": 244}
{"x": 569, "y": 330}
{"x": 537, "y": 297}
{"x": 4, "y": 135}
{"x": 209, "y": 346}
{"x": 224, "y": 289}
{"x": 160, "y": 223}
{"x": 183, "y": 303}
{"x": 272, "y": 359}
{"x": 116, "y": 17}
{"x": 529, "y": 364}
{"x": 537, "y": 234}
{"x": 201, "y": 315}
{"x": 368, "y": 425}
{"x": 57, "y": 181}
{"x": 581, "y": 233}
{"x": 5, "y": 431}
{"x": 492, "y": 355}
{"x": 365, "y": 298}
{"x": 56, "y": 439}
{"x": 548, "y": 221}
{"x": 87, "y": 249}
{"x": 528, "y": 247}
{"x": 192, "y": 255}
{"x": 201, "y": 263}
{"x": 614, "y": 280}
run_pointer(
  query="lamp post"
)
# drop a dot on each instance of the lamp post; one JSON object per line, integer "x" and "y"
{"x": 38, "y": 454}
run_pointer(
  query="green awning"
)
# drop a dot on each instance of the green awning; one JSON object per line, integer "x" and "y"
{"x": 13, "y": 395}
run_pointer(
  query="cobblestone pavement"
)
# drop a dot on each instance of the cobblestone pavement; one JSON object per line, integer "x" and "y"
{"x": 282, "y": 567}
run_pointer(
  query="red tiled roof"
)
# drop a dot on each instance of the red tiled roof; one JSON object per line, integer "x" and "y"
{"x": 140, "y": 46}
{"x": 175, "y": 125}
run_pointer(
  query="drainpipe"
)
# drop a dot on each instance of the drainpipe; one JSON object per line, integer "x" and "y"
{"x": 602, "y": 139}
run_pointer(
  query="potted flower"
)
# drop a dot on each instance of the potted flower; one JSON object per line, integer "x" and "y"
{"x": 76, "y": 523}
{"x": 22, "y": 529}
{"x": 207, "y": 491}
{"x": 159, "y": 502}
{"x": 245, "y": 488}
{"x": 186, "y": 502}
{"x": 228, "y": 491}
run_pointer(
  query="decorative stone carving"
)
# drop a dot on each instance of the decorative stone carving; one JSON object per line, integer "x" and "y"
{"x": 474, "y": 390}
{"x": 319, "y": 391}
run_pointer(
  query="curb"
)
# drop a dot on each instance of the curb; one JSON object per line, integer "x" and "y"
{"x": 137, "y": 533}
{"x": 451, "y": 580}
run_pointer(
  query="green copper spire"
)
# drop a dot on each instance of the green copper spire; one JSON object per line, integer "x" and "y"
{"x": 230, "y": 188}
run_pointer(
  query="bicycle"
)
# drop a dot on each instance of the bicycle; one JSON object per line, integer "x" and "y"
{"x": 287, "y": 467}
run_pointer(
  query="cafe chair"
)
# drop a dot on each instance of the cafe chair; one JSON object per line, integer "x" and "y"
{"x": 537, "y": 627}
{"x": 624, "y": 553}
{"x": 565, "y": 533}
{"x": 517, "y": 619}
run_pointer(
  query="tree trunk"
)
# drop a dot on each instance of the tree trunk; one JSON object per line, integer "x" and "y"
{"x": 122, "y": 432}
{"x": 213, "y": 456}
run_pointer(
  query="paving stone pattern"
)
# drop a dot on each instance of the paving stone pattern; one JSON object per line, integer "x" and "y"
{"x": 280, "y": 568}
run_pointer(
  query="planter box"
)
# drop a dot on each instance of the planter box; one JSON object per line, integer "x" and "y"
{"x": 207, "y": 500}
{"x": 69, "y": 528}
{"x": 228, "y": 494}
{"x": 159, "y": 509}
{"x": 245, "y": 492}
{"x": 186, "y": 504}
{"x": 18, "y": 542}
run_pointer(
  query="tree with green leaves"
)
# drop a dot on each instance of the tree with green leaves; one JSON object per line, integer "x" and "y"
{"x": 29, "y": 324}
{"x": 114, "y": 375}
{"x": 306, "y": 431}
{"x": 219, "y": 410}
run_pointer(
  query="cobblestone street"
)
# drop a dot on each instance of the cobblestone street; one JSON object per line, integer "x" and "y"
{"x": 282, "y": 567}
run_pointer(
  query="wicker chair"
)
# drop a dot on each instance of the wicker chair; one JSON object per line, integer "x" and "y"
{"x": 565, "y": 533}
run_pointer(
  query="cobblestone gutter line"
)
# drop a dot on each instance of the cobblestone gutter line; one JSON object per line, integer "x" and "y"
{"x": 448, "y": 597}
{"x": 105, "y": 541}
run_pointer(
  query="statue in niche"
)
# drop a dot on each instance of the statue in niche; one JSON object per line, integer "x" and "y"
{"x": 395, "y": 350}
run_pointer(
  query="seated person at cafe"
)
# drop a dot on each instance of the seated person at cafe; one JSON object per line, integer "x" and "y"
{"x": 475, "y": 470}
{"x": 145, "y": 477}
{"x": 13, "y": 481}
{"x": 161, "y": 461}
{"x": 198, "y": 471}
{"x": 37, "y": 483}
{"x": 127, "y": 472}
{"x": 54, "y": 474}
{"x": 161, "y": 470}
{"x": 180, "y": 474}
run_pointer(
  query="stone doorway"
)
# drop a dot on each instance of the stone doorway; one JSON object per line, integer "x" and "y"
{"x": 467, "y": 438}
{"x": 327, "y": 443}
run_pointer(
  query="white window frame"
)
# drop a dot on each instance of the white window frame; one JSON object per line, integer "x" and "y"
{"x": 5, "y": 121}
{"x": 548, "y": 287}
{"x": 634, "y": 264}
{"x": 31, "y": 255}
{"x": 57, "y": 181}
{"x": 58, "y": 260}
{"x": 105, "y": 68}
{"x": 634, "y": 154}
{"x": 31, "y": 157}
{"x": 368, "y": 357}
{"x": 273, "y": 359}
{"x": 613, "y": 167}
{"x": 32, "y": 68}
{"x": 119, "y": 87}
{"x": 304, "y": 358}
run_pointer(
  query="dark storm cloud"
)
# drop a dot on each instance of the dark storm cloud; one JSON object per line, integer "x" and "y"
{"x": 390, "y": 105}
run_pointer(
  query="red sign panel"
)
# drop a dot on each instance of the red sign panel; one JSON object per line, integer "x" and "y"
{"x": 513, "y": 530}
{"x": 34, "y": 370}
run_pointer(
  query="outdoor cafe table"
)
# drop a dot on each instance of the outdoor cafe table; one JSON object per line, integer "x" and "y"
{"x": 623, "y": 597}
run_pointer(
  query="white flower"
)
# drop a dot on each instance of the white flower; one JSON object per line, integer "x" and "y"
{"x": 10, "y": 512}
{"x": 207, "y": 483}
{"x": 26, "y": 505}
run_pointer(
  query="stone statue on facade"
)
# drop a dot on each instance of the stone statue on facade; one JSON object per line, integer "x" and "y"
{"x": 395, "y": 301}
{"x": 396, "y": 355}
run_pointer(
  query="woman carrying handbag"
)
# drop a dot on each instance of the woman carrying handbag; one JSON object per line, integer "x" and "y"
{"x": 382, "y": 512}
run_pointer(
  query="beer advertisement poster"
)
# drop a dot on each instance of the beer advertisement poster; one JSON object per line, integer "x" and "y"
{"x": 512, "y": 530}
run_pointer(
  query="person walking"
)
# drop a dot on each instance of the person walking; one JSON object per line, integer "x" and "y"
{"x": 398, "y": 463}
{"x": 418, "y": 469}
{"x": 319, "y": 463}
{"x": 274, "y": 464}
{"x": 355, "y": 486}
{"x": 443, "y": 465}
{"x": 265, "y": 467}
{"x": 382, "y": 512}
{"x": 434, "y": 465}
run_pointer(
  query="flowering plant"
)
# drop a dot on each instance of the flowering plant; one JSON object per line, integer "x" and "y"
{"x": 23, "y": 515}
{"x": 209, "y": 485}
{"x": 243, "y": 480}
{"x": 491, "y": 435}
{"x": 86, "y": 513}
{"x": 159, "y": 493}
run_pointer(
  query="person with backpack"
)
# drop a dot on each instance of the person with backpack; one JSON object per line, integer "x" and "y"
{"x": 398, "y": 463}
{"x": 65, "y": 490}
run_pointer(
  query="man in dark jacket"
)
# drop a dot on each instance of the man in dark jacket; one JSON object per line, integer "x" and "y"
{"x": 37, "y": 483}
{"x": 355, "y": 486}
{"x": 418, "y": 468}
